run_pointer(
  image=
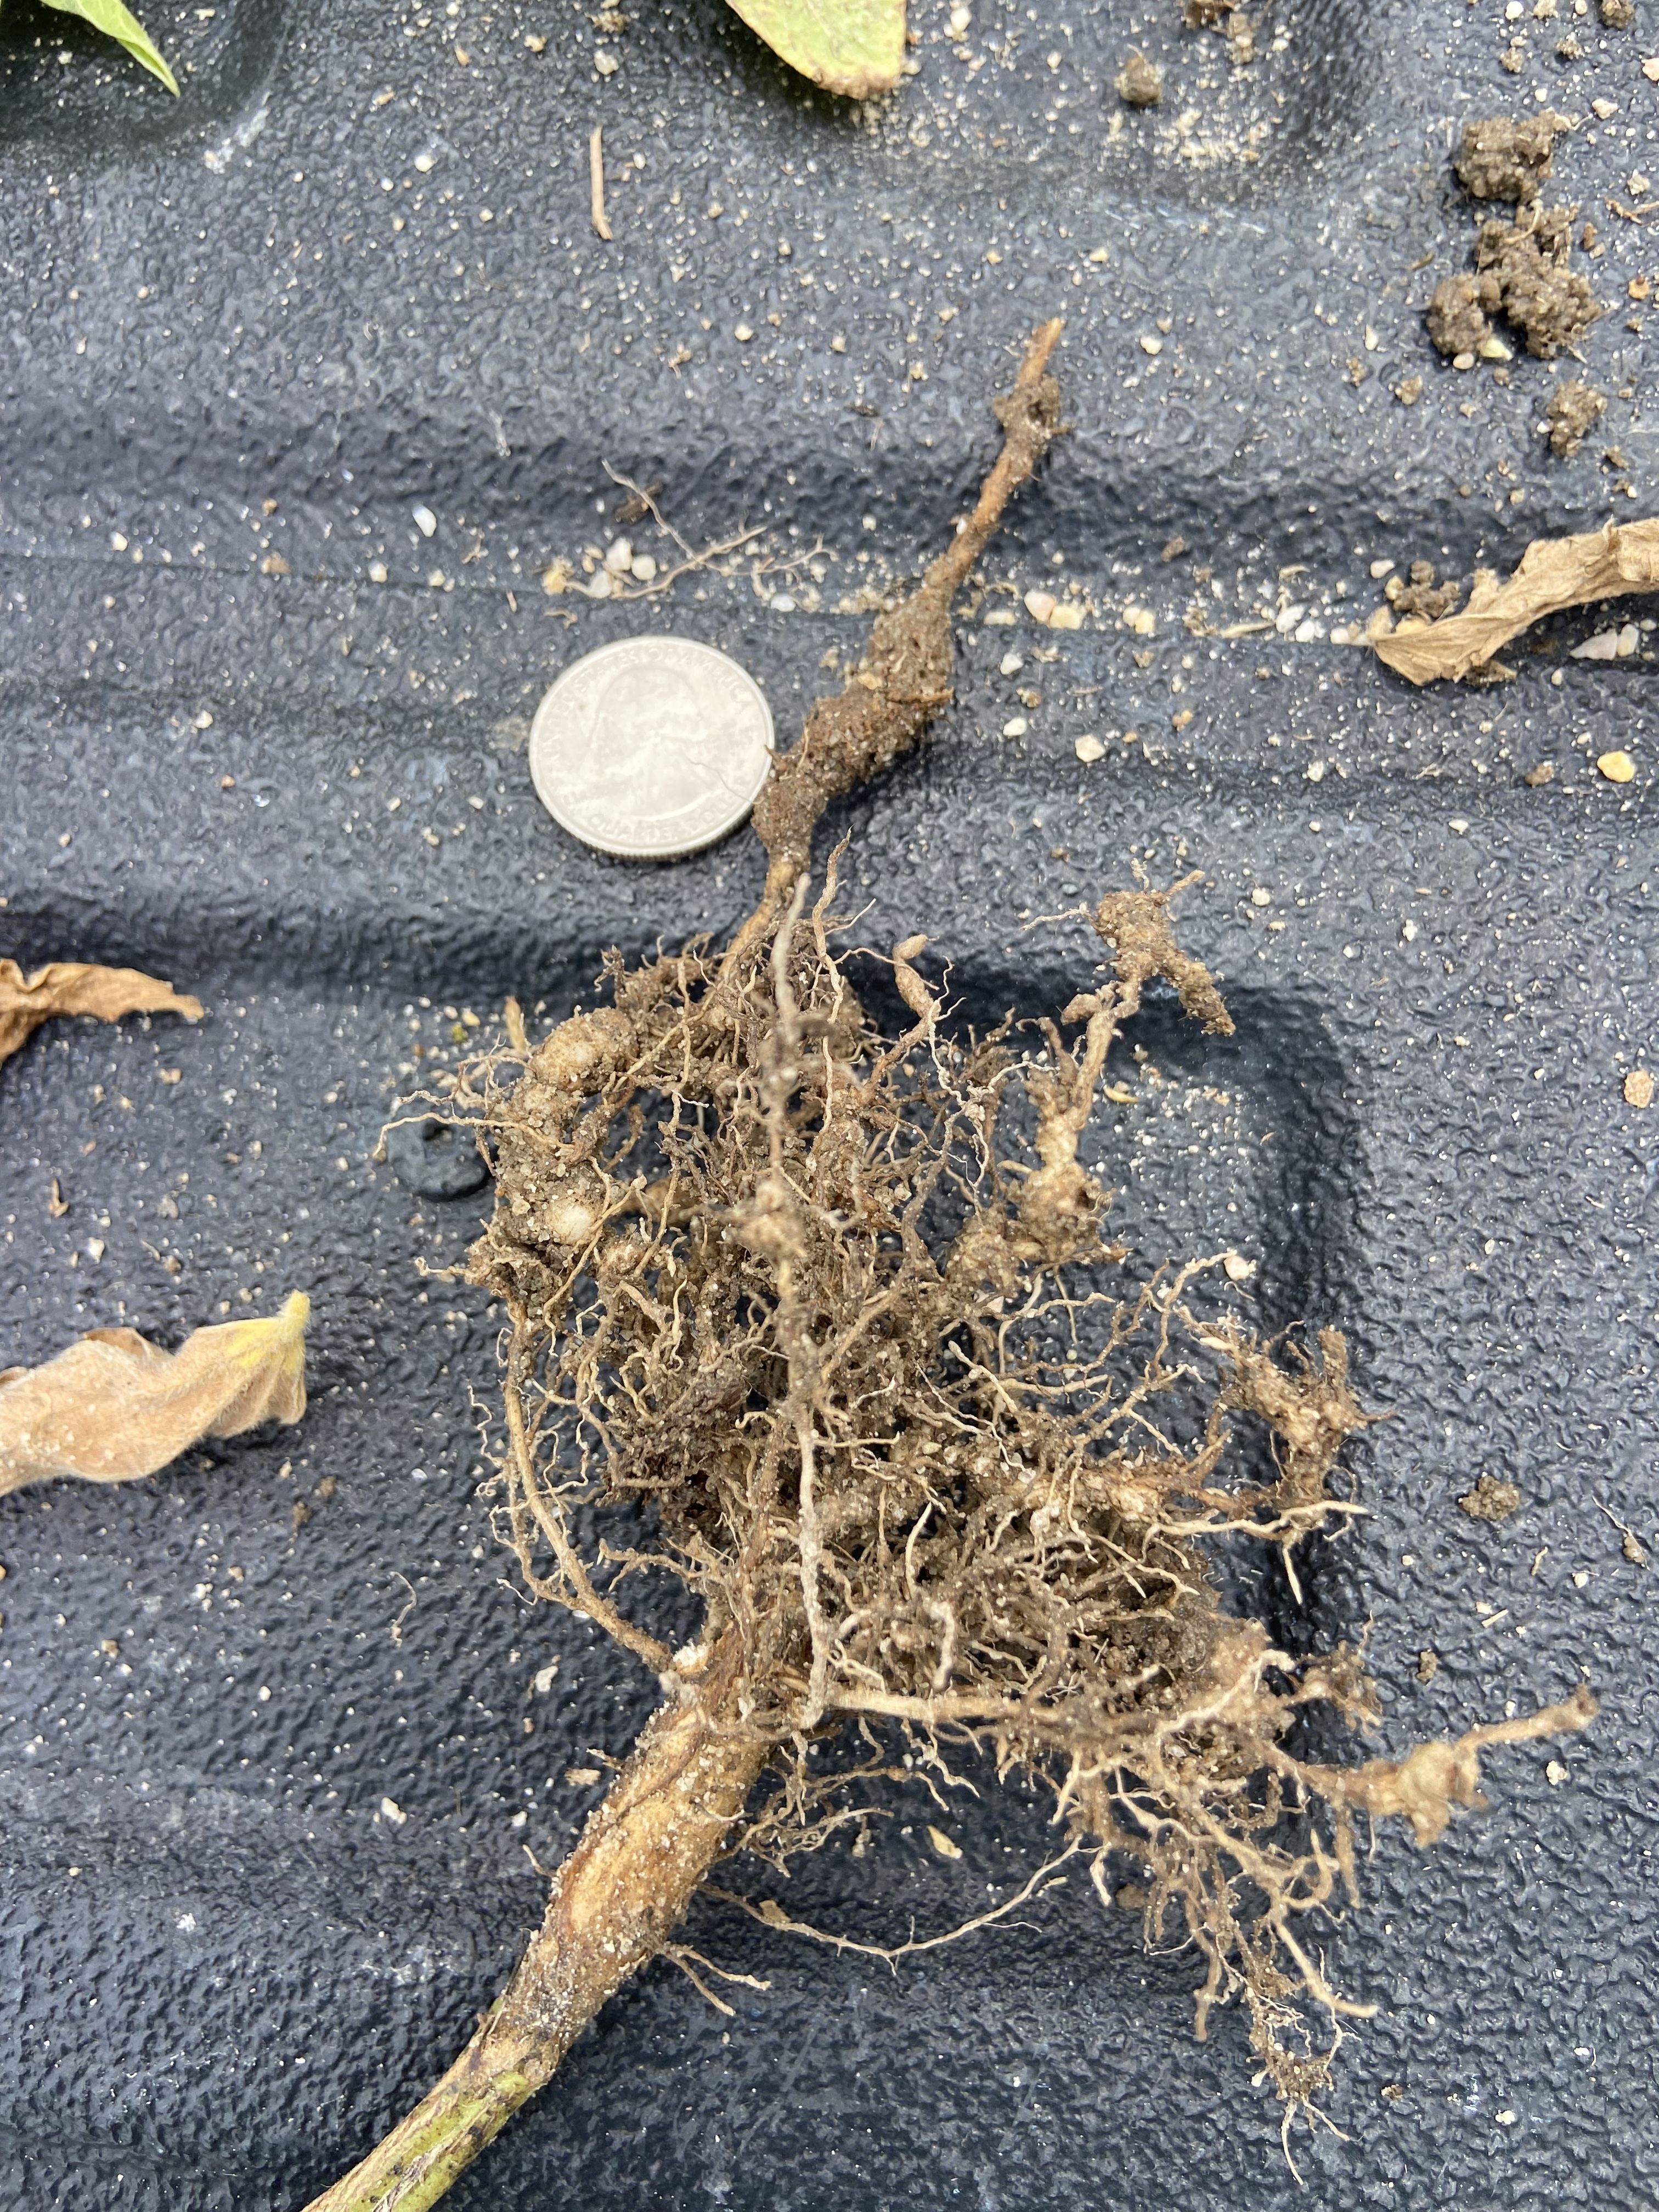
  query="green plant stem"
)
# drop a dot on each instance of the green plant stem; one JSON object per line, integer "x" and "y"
{"x": 614, "y": 1901}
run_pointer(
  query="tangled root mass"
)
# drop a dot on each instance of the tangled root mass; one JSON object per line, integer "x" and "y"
{"x": 834, "y": 1306}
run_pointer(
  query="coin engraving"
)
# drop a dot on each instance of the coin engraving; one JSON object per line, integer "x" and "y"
{"x": 651, "y": 748}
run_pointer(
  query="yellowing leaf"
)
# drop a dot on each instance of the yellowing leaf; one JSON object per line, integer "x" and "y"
{"x": 850, "y": 46}
{"x": 1555, "y": 572}
{"x": 115, "y": 1407}
{"x": 120, "y": 24}
{"x": 71, "y": 986}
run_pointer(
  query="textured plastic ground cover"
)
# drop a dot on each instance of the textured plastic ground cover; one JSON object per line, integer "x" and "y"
{"x": 244, "y": 337}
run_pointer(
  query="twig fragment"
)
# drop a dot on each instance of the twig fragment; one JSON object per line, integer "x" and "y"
{"x": 596, "y": 183}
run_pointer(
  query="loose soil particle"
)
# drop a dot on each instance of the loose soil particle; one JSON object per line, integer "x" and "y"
{"x": 1573, "y": 409}
{"x": 1138, "y": 83}
{"x": 1422, "y": 596}
{"x": 1503, "y": 159}
{"x": 1491, "y": 1499}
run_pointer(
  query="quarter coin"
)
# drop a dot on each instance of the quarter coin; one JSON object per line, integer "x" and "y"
{"x": 651, "y": 748}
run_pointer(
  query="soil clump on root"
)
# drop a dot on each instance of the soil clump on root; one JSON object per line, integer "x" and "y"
{"x": 830, "y": 1305}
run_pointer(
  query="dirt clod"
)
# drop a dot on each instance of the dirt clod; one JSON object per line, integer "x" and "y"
{"x": 1228, "y": 17}
{"x": 1420, "y": 595}
{"x": 1521, "y": 271}
{"x": 1491, "y": 1499}
{"x": 1572, "y": 412}
{"x": 1550, "y": 304}
{"x": 1619, "y": 14}
{"x": 1139, "y": 84}
{"x": 1428, "y": 1665}
{"x": 1501, "y": 159}
{"x": 1458, "y": 317}
{"x": 1521, "y": 268}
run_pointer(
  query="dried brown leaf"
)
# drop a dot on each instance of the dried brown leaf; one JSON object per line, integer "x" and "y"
{"x": 74, "y": 986}
{"x": 115, "y": 1407}
{"x": 1555, "y": 572}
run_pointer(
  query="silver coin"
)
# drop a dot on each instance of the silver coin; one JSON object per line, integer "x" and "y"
{"x": 651, "y": 748}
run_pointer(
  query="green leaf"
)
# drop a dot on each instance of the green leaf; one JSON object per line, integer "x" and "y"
{"x": 850, "y": 46}
{"x": 120, "y": 24}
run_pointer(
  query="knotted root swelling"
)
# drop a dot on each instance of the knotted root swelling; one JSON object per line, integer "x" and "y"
{"x": 831, "y": 1308}
{"x": 906, "y": 676}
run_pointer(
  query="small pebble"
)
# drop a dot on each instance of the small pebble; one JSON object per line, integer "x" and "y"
{"x": 1639, "y": 1088}
{"x": 1617, "y": 767}
{"x": 643, "y": 568}
{"x": 425, "y": 521}
{"x": 1039, "y": 605}
{"x": 1015, "y": 726}
{"x": 1011, "y": 663}
{"x": 1088, "y": 747}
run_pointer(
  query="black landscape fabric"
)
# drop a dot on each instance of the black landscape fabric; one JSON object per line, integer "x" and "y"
{"x": 312, "y": 382}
